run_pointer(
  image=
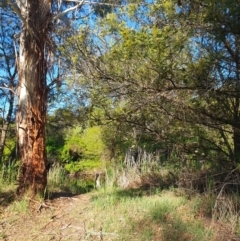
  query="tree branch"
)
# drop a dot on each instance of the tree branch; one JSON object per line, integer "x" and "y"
{"x": 16, "y": 9}
{"x": 91, "y": 2}
{"x": 7, "y": 88}
{"x": 61, "y": 14}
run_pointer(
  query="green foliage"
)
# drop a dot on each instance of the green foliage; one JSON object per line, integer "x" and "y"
{"x": 83, "y": 165}
{"x": 58, "y": 124}
{"x": 9, "y": 149}
{"x": 80, "y": 186}
{"x": 92, "y": 142}
{"x": 54, "y": 145}
{"x": 84, "y": 144}
{"x": 9, "y": 171}
{"x": 160, "y": 76}
{"x": 72, "y": 143}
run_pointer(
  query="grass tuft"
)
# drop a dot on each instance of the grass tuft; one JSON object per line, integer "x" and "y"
{"x": 21, "y": 207}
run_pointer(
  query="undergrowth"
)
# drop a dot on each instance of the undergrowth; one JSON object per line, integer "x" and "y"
{"x": 133, "y": 204}
{"x": 60, "y": 181}
{"x": 136, "y": 216}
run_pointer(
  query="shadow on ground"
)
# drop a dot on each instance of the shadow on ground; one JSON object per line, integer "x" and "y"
{"x": 124, "y": 194}
{"x": 70, "y": 191}
{"x": 61, "y": 194}
{"x": 145, "y": 190}
{"x": 6, "y": 198}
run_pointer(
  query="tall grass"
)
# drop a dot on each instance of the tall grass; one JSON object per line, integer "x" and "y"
{"x": 56, "y": 176}
{"x": 139, "y": 217}
{"x": 8, "y": 181}
{"x": 9, "y": 171}
{"x": 60, "y": 181}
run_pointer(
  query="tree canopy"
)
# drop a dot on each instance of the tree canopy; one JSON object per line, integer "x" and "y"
{"x": 168, "y": 69}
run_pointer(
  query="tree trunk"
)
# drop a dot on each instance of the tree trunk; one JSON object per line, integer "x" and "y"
{"x": 31, "y": 116}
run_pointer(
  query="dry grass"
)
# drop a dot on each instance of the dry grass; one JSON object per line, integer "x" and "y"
{"x": 132, "y": 214}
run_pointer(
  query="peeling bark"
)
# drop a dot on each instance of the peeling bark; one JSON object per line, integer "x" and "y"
{"x": 31, "y": 116}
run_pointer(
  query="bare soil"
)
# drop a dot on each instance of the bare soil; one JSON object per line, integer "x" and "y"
{"x": 63, "y": 218}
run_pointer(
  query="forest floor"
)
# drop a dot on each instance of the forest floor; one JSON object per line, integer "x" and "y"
{"x": 125, "y": 215}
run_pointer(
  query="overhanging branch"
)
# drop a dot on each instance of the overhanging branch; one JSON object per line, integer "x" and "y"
{"x": 7, "y": 88}
{"x": 61, "y": 14}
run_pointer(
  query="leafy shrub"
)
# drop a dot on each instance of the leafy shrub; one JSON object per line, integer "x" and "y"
{"x": 84, "y": 165}
{"x": 83, "y": 144}
{"x": 54, "y": 145}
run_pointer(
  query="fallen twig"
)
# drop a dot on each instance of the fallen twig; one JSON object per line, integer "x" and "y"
{"x": 100, "y": 233}
{"x": 65, "y": 226}
{"x": 43, "y": 205}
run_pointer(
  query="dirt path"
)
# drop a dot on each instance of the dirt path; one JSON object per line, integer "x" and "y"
{"x": 63, "y": 218}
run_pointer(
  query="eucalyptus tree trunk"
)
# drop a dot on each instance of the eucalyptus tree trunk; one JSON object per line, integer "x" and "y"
{"x": 31, "y": 116}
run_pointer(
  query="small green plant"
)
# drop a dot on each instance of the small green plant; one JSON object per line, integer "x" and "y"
{"x": 147, "y": 234}
{"x": 160, "y": 212}
{"x": 20, "y": 206}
